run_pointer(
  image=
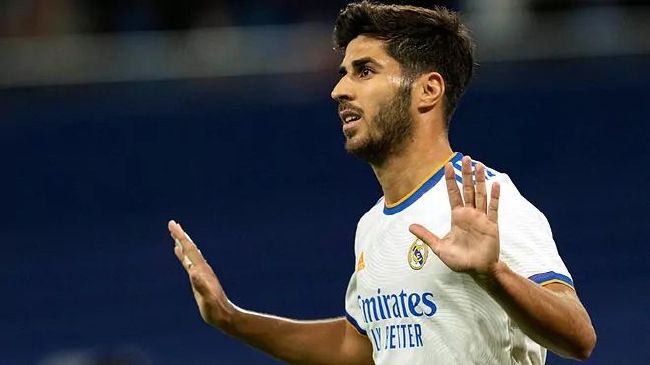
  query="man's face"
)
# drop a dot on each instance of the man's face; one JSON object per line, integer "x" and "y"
{"x": 374, "y": 101}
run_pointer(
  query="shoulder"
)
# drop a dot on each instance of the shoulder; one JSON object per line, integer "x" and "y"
{"x": 517, "y": 215}
{"x": 371, "y": 216}
{"x": 492, "y": 175}
{"x": 511, "y": 202}
{"x": 367, "y": 221}
{"x": 373, "y": 210}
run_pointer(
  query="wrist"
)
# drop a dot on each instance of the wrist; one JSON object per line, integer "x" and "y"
{"x": 491, "y": 278}
{"x": 223, "y": 316}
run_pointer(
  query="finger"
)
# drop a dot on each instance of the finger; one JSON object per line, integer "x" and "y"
{"x": 481, "y": 193}
{"x": 455, "y": 199}
{"x": 182, "y": 258}
{"x": 468, "y": 182}
{"x": 426, "y": 236}
{"x": 493, "y": 209}
{"x": 187, "y": 263}
{"x": 178, "y": 251}
{"x": 188, "y": 247}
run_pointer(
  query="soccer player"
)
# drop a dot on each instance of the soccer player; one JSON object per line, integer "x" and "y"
{"x": 453, "y": 264}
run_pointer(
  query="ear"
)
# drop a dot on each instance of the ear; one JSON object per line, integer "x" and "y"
{"x": 430, "y": 91}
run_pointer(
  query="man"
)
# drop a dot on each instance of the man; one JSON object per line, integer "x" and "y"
{"x": 494, "y": 289}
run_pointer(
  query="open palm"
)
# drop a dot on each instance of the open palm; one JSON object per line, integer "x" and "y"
{"x": 210, "y": 297}
{"x": 472, "y": 244}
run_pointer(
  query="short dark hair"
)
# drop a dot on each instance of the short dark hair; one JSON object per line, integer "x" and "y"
{"x": 420, "y": 39}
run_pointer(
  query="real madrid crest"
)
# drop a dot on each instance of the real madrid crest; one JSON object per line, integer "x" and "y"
{"x": 418, "y": 253}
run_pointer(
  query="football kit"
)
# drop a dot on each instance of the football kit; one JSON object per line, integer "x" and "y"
{"x": 415, "y": 310}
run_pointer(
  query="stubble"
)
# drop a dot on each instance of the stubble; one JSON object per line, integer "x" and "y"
{"x": 388, "y": 132}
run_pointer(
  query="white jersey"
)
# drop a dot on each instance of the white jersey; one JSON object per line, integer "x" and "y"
{"x": 415, "y": 310}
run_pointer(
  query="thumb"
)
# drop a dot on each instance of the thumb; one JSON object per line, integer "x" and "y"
{"x": 426, "y": 236}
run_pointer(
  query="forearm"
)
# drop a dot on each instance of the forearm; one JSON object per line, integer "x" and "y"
{"x": 332, "y": 341}
{"x": 296, "y": 342}
{"x": 556, "y": 320}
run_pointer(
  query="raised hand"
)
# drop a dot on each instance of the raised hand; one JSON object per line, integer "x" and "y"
{"x": 472, "y": 244}
{"x": 210, "y": 297}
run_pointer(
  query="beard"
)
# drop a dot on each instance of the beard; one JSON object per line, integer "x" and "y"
{"x": 387, "y": 133}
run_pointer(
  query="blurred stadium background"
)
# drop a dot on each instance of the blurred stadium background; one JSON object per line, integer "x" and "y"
{"x": 116, "y": 116}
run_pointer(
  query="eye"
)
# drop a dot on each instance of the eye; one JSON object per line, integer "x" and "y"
{"x": 365, "y": 72}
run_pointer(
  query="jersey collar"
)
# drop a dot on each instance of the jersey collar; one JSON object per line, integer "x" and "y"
{"x": 426, "y": 185}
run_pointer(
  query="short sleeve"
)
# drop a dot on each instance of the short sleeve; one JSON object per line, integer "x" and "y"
{"x": 353, "y": 311}
{"x": 527, "y": 244}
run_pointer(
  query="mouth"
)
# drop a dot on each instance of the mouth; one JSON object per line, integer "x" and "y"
{"x": 349, "y": 116}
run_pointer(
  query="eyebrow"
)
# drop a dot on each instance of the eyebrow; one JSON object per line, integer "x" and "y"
{"x": 357, "y": 64}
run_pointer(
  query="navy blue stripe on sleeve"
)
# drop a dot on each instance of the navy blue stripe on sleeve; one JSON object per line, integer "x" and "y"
{"x": 355, "y": 324}
{"x": 551, "y": 277}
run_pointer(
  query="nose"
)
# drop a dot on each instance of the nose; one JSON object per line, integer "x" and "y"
{"x": 342, "y": 90}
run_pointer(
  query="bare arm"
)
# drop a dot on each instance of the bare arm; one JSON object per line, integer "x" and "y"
{"x": 551, "y": 315}
{"x": 331, "y": 341}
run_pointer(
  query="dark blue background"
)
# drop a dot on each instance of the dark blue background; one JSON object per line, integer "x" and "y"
{"x": 255, "y": 170}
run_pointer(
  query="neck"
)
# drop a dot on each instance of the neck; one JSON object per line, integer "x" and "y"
{"x": 400, "y": 174}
